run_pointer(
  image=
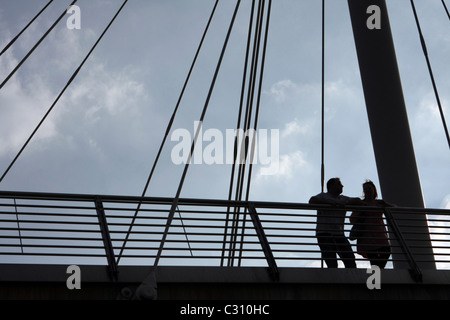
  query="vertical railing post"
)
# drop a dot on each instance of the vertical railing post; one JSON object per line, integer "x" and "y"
{"x": 263, "y": 241}
{"x": 112, "y": 264}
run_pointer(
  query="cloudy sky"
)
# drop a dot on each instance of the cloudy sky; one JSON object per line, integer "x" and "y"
{"x": 102, "y": 137}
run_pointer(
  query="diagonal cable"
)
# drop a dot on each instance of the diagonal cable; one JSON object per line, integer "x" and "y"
{"x": 25, "y": 28}
{"x": 258, "y": 102}
{"x": 424, "y": 47}
{"x": 238, "y": 127}
{"x": 247, "y": 124}
{"x": 62, "y": 92}
{"x": 186, "y": 167}
{"x": 446, "y": 10}
{"x": 169, "y": 127}
{"x": 34, "y": 47}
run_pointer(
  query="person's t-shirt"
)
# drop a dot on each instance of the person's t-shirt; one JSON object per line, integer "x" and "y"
{"x": 332, "y": 220}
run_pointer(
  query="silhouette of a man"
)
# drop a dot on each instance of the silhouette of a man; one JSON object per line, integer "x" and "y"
{"x": 330, "y": 225}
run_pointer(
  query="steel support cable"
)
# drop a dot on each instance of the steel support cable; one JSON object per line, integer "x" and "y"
{"x": 34, "y": 47}
{"x": 446, "y": 10}
{"x": 250, "y": 97}
{"x": 169, "y": 127}
{"x": 62, "y": 92}
{"x": 202, "y": 116}
{"x": 248, "y": 120}
{"x": 238, "y": 127}
{"x": 322, "y": 165}
{"x": 424, "y": 48}
{"x": 258, "y": 103}
{"x": 25, "y": 28}
{"x": 244, "y": 145}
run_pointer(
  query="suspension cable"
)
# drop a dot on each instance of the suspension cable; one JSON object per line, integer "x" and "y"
{"x": 261, "y": 76}
{"x": 34, "y": 47}
{"x": 62, "y": 92}
{"x": 322, "y": 166}
{"x": 251, "y": 94}
{"x": 238, "y": 126}
{"x": 247, "y": 123}
{"x": 446, "y": 10}
{"x": 186, "y": 167}
{"x": 169, "y": 127}
{"x": 25, "y": 28}
{"x": 258, "y": 103}
{"x": 246, "y": 148}
{"x": 424, "y": 48}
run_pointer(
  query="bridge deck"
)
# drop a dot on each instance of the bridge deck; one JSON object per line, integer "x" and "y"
{"x": 220, "y": 283}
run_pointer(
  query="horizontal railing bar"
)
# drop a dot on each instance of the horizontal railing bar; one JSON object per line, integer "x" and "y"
{"x": 53, "y": 246}
{"x": 24, "y": 237}
{"x": 49, "y": 230}
{"x": 43, "y": 206}
{"x": 268, "y": 228}
{"x": 49, "y": 214}
{"x": 50, "y": 222}
{"x": 85, "y": 255}
{"x": 191, "y": 201}
{"x": 247, "y": 257}
{"x": 172, "y": 233}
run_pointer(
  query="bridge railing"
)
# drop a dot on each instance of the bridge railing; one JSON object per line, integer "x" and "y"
{"x": 42, "y": 228}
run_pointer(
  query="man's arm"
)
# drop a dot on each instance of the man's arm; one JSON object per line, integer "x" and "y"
{"x": 355, "y": 202}
{"x": 324, "y": 200}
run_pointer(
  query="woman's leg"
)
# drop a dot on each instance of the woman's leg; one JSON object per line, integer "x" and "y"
{"x": 379, "y": 257}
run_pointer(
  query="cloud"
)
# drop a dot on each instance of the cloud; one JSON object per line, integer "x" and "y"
{"x": 28, "y": 95}
{"x": 291, "y": 162}
{"x": 282, "y": 89}
{"x": 22, "y": 105}
{"x": 446, "y": 202}
{"x": 287, "y": 90}
{"x": 105, "y": 114}
{"x": 106, "y": 92}
{"x": 294, "y": 128}
{"x": 287, "y": 167}
{"x": 101, "y": 119}
{"x": 428, "y": 109}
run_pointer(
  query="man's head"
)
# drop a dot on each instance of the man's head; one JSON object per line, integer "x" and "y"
{"x": 334, "y": 186}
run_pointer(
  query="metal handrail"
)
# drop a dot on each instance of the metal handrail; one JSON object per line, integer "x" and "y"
{"x": 91, "y": 228}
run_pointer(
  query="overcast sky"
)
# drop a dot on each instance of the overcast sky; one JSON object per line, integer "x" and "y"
{"x": 103, "y": 135}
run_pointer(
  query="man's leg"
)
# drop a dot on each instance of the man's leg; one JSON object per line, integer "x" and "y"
{"x": 328, "y": 249}
{"x": 345, "y": 251}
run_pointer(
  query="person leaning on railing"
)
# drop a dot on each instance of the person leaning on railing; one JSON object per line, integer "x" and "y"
{"x": 372, "y": 238}
{"x": 330, "y": 225}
